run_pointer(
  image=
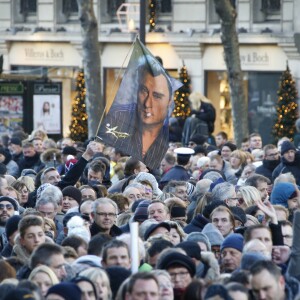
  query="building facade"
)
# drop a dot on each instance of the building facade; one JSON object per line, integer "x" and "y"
{"x": 43, "y": 37}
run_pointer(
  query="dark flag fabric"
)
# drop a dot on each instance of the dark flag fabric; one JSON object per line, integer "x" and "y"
{"x": 137, "y": 122}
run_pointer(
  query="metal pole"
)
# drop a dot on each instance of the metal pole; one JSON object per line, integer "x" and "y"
{"x": 142, "y": 21}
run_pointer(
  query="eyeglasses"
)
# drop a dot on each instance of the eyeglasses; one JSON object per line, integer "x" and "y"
{"x": 180, "y": 275}
{"x": 273, "y": 154}
{"x": 7, "y": 206}
{"x": 105, "y": 215}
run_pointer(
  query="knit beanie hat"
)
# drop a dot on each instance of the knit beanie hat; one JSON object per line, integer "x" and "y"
{"x": 20, "y": 294}
{"x": 199, "y": 237}
{"x": 235, "y": 241}
{"x": 192, "y": 249}
{"x": 15, "y": 141}
{"x": 68, "y": 290}
{"x": 239, "y": 214}
{"x": 11, "y": 225}
{"x": 190, "y": 188}
{"x": 141, "y": 212}
{"x": 178, "y": 211}
{"x": 3, "y": 169}
{"x": 213, "y": 234}
{"x": 248, "y": 259}
{"x": 41, "y": 189}
{"x": 215, "y": 290}
{"x": 198, "y": 139}
{"x": 286, "y": 146}
{"x": 72, "y": 192}
{"x": 13, "y": 202}
{"x": 117, "y": 275}
{"x": 143, "y": 176}
{"x": 282, "y": 192}
{"x": 69, "y": 150}
{"x": 177, "y": 258}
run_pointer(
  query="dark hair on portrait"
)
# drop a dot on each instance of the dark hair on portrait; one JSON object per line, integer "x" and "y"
{"x": 151, "y": 66}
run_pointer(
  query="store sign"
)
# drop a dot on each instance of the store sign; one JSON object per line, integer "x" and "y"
{"x": 43, "y": 54}
{"x": 253, "y": 58}
{"x": 11, "y": 88}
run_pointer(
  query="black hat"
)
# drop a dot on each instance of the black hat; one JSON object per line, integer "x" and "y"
{"x": 153, "y": 227}
{"x": 116, "y": 275}
{"x": 69, "y": 150}
{"x": 141, "y": 212}
{"x": 3, "y": 169}
{"x": 20, "y": 294}
{"x": 177, "y": 258}
{"x": 73, "y": 192}
{"x": 11, "y": 200}
{"x": 198, "y": 139}
{"x": 15, "y": 141}
{"x": 68, "y": 290}
{"x": 239, "y": 214}
{"x": 217, "y": 290}
{"x": 191, "y": 248}
{"x": 11, "y": 225}
{"x": 286, "y": 146}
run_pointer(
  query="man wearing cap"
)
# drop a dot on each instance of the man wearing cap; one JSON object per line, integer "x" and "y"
{"x": 15, "y": 149}
{"x": 290, "y": 161}
{"x": 8, "y": 208}
{"x": 179, "y": 171}
{"x": 160, "y": 228}
{"x": 181, "y": 268}
{"x": 231, "y": 252}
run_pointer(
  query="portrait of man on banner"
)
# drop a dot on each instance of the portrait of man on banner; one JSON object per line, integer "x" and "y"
{"x": 137, "y": 122}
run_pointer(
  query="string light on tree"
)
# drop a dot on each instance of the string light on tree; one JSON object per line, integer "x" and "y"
{"x": 152, "y": 14}
{"x": 79, "y": 124}
{"x": 181, "y": 97}
{"x": 286, "y": 107}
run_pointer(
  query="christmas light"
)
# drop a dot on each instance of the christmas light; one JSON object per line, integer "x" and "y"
{"x": 79, "y": 126}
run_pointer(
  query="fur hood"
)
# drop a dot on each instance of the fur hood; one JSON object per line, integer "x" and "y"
{"x": 47, "y": 156}
{"x": 21, "y": 252}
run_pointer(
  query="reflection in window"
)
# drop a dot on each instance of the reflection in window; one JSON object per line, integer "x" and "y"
{"x": 28, "y": 7}
{"x": 164, "y": 6}
{"x": 268, "y": 6}
{"x": 113, "y": 5}
{"x": 70, "y": 7}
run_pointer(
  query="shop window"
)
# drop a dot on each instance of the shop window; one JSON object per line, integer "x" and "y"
{"x": 266, "y": 10}
{"x": 25, "y": 11}
{"x": 67, "y": 11}
{"x": 108, "y": 10}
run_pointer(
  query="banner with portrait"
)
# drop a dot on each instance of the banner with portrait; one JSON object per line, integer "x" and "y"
{"x": 46, "y": 113}
{"x": 138, "y": 120}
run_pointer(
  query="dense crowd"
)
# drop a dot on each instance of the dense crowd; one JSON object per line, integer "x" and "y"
{"x": 214, "y": 221}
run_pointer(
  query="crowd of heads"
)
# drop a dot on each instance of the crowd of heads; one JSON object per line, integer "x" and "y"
{"x": 216, "y": 221}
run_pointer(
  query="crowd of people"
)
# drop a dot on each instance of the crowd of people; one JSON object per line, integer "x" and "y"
{"x": 214, "y": 221}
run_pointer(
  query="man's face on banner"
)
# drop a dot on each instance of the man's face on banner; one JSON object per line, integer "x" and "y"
{"x": 153, "y": 99}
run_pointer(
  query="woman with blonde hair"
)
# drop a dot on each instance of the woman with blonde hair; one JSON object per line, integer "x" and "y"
{"x": 248, "y": 196}
{"x": 44, "y": 277}
{"x": 101, "y": 281}
{"x": 238, "y": 160}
